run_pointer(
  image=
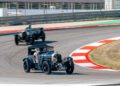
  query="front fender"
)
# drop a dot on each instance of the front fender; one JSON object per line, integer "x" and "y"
{"x": 24, "y": 59}
{"x": 30, "y": 60}
{"x": 68, "y": 59}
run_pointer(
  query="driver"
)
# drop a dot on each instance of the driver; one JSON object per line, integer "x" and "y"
{"x": 43, "y": 50}
{"x": 51, "y": 49}
{"x": 42, "y": 31}
{"x": 36, "y": 53}
{"x": 29, "y": 27}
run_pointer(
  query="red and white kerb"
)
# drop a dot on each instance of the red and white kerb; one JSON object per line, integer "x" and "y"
{"x": 81, "y": 55}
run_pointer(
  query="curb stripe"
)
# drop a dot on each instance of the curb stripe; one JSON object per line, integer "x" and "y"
{"x": 109, "y": 70}
{"x": 79, "y": 58}
{"x": 98, "y": 67}
{"x": 81, "y": 61}
{"x": 85, "y": 64}
{"x": 89, "y": 47}
{"x": 82, "y": 51}
{"x": 78, "y": 54}
{"x": 81, "y": 55}
{"x": 95, "y": 44}
{"x": 107, "y": 41}
{"x": 116, "y": 38}
{"x": 8, "y": 31}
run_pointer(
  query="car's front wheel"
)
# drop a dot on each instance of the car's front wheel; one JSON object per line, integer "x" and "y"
{"x": 26, "y": 65}
{"x": 46, "y": 67}
{"x": 69, "y": 67}
{"x": 16, "y": 39}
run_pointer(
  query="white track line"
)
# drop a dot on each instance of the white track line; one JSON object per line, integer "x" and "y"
{"x": 86, "y": 64}
{"x": 96, "y": 44}
{"x": 79, "y": 58}
{"x": 82, "y": 50}
{"x": 115, "y": 38}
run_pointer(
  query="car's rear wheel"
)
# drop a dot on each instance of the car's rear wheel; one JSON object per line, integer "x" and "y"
{"x": 24, "y": 35}
{"x": 69, "y": 67}
{"x": 46, "y": 67}
{"x": 32, "y": 40}
{"x": 16, "y": 39}
{"x": 43, "y": 39}
{"x": 26, "y": 65}
{"x": 42, "y": 36}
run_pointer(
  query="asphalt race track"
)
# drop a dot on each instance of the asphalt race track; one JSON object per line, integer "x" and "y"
{"x": 64, "y": 41}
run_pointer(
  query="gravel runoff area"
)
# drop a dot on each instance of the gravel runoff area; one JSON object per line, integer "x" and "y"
{"x": 107, "y": 55}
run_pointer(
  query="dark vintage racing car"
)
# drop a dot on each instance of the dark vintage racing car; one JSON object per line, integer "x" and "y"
{"x": 30, "y": 35}
{"x": 48, "y": 60}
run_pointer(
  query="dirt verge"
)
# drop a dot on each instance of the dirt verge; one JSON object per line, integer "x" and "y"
{"x": 107, "y": 55}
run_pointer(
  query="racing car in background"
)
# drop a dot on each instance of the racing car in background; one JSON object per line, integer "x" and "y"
{"x": 48, "y": 60}
{"x": 29, "y": 35}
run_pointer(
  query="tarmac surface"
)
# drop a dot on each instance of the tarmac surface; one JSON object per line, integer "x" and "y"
{"x": 64, "y": 41}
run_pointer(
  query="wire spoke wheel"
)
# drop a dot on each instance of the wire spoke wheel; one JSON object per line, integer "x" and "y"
{"x": 26, "y": 66}
{"x": 46, "y": 68}
{"x": 69, "y": 67}
{"x": 16, "y": 40}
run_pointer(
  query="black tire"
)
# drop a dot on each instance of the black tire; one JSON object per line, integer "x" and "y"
{"x": 26, "y": 65}
{"x": 29, "y": 51}
{"x": 42, "y": 35}
{"x": 43, "y": 39}
{"x": 46, "y": 68}
{"x": 27, "y": 40}
{"x": 16, "y": 40}
{"x": 24, "y": 35}
{"x": 32, "y": 40}
{"x": 69, "y": 67}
